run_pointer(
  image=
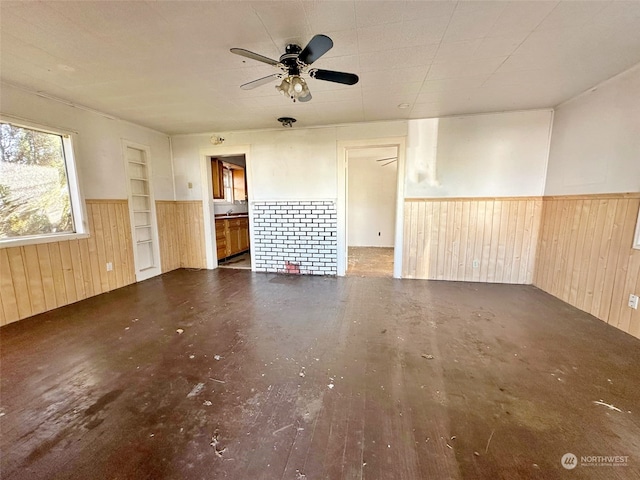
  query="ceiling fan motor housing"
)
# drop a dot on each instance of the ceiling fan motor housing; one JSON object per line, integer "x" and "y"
{"x": 290, "y": 59}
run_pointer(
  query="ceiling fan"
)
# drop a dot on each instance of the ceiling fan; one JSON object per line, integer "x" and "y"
{"x": 389, "y": 160}
{"x": 293, "y": 64}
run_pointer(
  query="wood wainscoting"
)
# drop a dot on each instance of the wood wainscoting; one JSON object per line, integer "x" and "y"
{"x": 181, "y": 232}
{"x": 490, "y": 240}
{"x": 37, "y": 278}
{"x": 585, "y": 256}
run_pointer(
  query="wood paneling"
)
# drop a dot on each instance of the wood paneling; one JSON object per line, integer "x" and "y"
{"x": 471, "y": 239}
{"x": 166, "y": 213}
{"x": 585, "y": 256}
{"x": 181, "y": 232}
{"x": 37, "y": 278}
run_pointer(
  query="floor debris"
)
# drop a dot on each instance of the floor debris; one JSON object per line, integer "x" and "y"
{"x": 207, "y": 403}
{"x": 196, "y": 390}
{"x": 427, "y": 356}
{"x": 489, "y": 441}
{"x": 215, "y": 380}
{"x": 215, "y": 442}
{"x": 180, "y": 331}
{"x": 302, "y": 372}
{"x": 217, "y": 357}
{"x": 300, "y": 475}
{"x": 608, "y": 405}
{"x": 282, "y": 429}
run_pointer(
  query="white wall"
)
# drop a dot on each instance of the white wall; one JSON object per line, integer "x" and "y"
{"x": 283, "y": 164}
{"x": 488, "y": 155}
{"x": 371, "y": 200}
{"x": 595, "y": 143}
{"x": 98, "y": 143}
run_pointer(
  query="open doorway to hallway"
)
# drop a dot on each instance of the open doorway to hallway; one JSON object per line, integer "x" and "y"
{"x": 371, "y": 210}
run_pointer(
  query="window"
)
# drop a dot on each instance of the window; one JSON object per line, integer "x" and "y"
{"x": 227, "y": 180}
{"x": 39, "y": 197}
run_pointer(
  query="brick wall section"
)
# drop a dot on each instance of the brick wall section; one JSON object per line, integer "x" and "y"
{"x": 298, "y": 237}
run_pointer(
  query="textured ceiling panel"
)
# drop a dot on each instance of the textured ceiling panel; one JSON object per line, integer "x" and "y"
{"x": 167, "y": 65}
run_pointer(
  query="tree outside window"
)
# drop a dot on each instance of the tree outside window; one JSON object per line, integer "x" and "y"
{"x": 34, "y": 187}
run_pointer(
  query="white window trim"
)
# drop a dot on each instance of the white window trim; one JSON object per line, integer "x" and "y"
{"x": 75, "y": 193}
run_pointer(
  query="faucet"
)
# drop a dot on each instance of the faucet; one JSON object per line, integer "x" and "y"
{"x": 229, "y": 211}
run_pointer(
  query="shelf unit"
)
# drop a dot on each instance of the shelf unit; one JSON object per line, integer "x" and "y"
{"x": 141, "y": 208}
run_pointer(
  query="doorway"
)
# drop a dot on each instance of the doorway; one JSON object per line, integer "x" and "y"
{"x": 231, "y": 212}
{"x": 372, "y": 176}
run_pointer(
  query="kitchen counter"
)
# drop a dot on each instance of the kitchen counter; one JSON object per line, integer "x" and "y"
{"x": 222, "y": 216}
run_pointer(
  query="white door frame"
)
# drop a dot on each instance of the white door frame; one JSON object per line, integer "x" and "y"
{"x": 343, "y": 147}
{"x": 157, "y": 267}
{"x": 207, "y": 198}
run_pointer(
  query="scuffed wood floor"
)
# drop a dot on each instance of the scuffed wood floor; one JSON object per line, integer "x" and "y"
{"x": 229, "y": 374}
{"x": 370, "y": 261}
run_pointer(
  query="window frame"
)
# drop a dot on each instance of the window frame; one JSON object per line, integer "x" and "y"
{"x": 73, "y": 181}
{"x": 227, "y": 174}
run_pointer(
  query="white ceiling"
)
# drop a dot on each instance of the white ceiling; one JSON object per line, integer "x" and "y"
{"x": 167, "y": 65}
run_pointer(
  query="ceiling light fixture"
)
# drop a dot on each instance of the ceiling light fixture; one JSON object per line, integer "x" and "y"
{"x": 287, "y": 121}
{"x": 295, "y": 87}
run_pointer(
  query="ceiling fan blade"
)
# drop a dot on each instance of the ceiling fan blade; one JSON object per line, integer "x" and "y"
{"x": 259, "y": 82}
{"x": 317, "y": 46}
{"x": 333, "y": 76}
{"x": 390, "y": 158}
{"x": 254, "y": 56}
{"x": 305, "y": 99}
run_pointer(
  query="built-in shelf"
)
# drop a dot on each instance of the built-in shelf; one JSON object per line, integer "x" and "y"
{"x": 143, "y": 226}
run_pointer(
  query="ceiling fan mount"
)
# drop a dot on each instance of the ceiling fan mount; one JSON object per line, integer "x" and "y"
{"x": 290, "y": 58}
{"x": 293, "y": 65}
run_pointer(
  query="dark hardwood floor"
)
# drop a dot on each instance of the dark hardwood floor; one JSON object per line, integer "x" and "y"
{"x": 229, "y": 374}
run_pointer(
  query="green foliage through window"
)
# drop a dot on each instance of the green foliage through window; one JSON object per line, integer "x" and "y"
{"x": 34, "y": 190}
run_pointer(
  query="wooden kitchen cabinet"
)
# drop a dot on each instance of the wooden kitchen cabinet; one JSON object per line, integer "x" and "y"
{"x": 244, "y": 234}
{"x": 217, "y": 179}
{"x": 232, "y": 236}
{"x": 239, "y": 184}
{"x": 221, "y": 238}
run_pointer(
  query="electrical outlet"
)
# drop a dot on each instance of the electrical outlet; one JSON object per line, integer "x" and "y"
{"x": 633, "y": 301}
{"x": 189, "y": 185}
{"x": 476, "y": 264}
{"x": 109, "y": 266}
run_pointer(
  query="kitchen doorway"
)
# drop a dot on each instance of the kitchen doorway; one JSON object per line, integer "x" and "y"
{"x": 230, "y": 208}
{"x": 371, "y": 210}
